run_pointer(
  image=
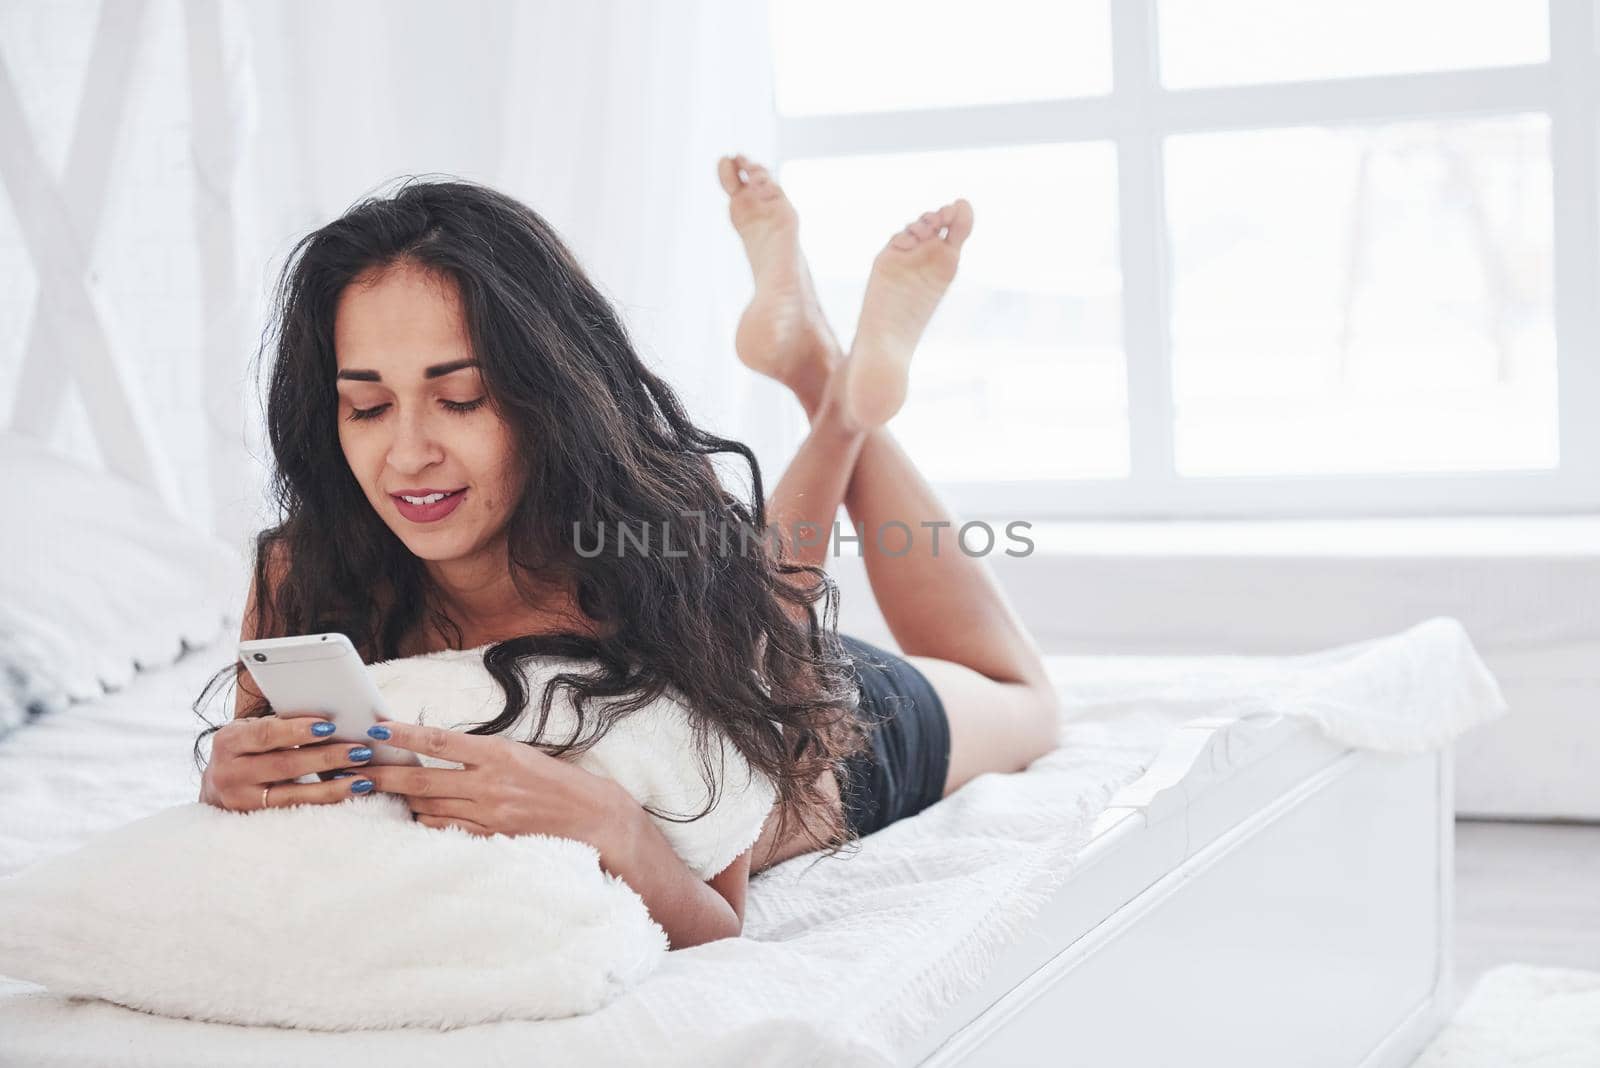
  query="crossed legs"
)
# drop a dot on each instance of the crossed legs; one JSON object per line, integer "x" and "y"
{"x": 945, "y": 609}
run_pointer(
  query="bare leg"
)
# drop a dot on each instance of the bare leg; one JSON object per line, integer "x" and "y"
{"x": 806, "y": 499}
{"x": 945, "y": 609}
{"x": 915, "y": 591}
{"x": 944, "y": 605}
{"x": 784, "y": 335}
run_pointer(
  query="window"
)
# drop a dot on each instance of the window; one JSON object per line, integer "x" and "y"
{"x": 1232, "y": 256}
{"x": 1029, "y": 345}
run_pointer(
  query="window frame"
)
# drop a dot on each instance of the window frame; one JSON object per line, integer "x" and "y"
{"x": 1136, "y": 117}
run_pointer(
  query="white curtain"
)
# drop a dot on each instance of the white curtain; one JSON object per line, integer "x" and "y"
{"x": 242, "y": 126}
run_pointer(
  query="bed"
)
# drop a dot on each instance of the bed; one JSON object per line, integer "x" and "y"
{"x": 1240, "y": 884}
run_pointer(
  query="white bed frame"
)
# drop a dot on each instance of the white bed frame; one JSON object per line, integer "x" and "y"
{"x": 1261, "y": 896}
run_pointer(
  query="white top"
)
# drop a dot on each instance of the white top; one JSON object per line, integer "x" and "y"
{"x": 650, "y": 752}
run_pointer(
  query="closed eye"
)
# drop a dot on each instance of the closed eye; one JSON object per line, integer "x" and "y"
{"x": 459, "y": 407}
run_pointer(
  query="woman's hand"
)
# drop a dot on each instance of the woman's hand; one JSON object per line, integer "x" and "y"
{"x": 504, "y": 787}
{"x": 258, "y": 758}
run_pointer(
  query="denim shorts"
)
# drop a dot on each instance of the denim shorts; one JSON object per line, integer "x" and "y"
{"x": 904, "y": 770}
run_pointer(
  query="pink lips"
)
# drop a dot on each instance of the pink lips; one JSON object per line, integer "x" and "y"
{"x": 428, "y": 513}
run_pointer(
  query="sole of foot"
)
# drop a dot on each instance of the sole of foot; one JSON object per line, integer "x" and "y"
{"x": 908, "y": 279}
{"x": 782, "y": 333}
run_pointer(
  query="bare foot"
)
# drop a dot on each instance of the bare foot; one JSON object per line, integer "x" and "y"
{"x": 908, "y": 279}
{"x": 782, "y": 334}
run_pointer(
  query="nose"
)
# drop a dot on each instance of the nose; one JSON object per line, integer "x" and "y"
{"x": 413, "y": 449}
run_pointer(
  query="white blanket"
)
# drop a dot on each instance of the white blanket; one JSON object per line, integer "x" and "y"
{"x": 844, "y": 960}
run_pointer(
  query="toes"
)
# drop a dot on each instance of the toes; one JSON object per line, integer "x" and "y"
{"x": 757, "y": 178}
{"x": 960, "y": 222}
{"x": 728, "y": 174}
{"x": 738, "y": 174}
{"x": 953, "y": 222}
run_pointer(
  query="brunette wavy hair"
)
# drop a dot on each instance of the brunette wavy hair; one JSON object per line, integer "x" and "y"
{"x": 603, "y": 441}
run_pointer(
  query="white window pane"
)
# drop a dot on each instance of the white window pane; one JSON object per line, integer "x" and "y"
{"x": 1363, "y": 300}
{"x": 839, "y": 56}
{"x": 1235, "y": 42}
{"x": 1020, "y": 374}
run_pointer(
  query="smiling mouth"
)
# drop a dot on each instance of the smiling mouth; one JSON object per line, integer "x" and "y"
{"x": 431, "y": 497}
{"x": 429, "y": 507}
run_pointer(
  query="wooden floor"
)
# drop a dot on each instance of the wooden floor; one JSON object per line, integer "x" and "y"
{"x": 1526, "y": 892}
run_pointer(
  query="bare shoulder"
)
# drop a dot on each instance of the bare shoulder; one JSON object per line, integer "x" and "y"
{"x": 248, "y": 700}
{"x": 277, "y": 566}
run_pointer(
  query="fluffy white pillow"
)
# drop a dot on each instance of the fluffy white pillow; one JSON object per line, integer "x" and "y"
{"x": 329, "y": 917}
{"x": 101, "y": 580}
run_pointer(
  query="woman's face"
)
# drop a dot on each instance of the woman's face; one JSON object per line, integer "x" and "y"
{"x": 414, "y": 419}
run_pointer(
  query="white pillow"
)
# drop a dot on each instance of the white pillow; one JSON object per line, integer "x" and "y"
{"x": 327, "y": 917}
{"x": 100, "y": 579}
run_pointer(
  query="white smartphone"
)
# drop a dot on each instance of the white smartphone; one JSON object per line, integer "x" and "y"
{"x": 322, "y": 675}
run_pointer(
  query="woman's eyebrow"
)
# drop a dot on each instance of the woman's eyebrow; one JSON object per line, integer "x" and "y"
{"x": 438, "y": 370}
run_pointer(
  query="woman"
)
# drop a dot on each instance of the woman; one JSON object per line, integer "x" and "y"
{"x": 456, "y": 412}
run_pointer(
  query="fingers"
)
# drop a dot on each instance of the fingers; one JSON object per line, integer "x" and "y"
{"x": 261, "y": 734}
{"x": 446, "y": 808}
{"x": 250, "y": 753}
{"x": 284, "y": 764}
{"x": 468, "y": 749}
{"x": 421, "y": 782}
{"x": 280, "y": 750}
{"x": 285, "y": 794}
{"x": 442, "y": 822}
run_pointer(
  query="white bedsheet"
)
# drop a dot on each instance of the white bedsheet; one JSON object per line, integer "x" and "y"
{"x": 843, "y": 960}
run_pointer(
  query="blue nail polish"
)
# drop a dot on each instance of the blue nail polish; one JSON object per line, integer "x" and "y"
{"x": 361, "y": 786}
{"x": 322, "y": 730}
{"x": 360, "y": 752}
{"x": 381, "y": 733}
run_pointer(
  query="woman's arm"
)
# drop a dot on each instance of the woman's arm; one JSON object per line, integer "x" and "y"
{"x": 509, "y": 788}
{"x": 690, "y": 911}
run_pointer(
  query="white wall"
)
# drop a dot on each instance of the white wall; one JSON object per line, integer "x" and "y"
{"x": 237, "y": 128}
